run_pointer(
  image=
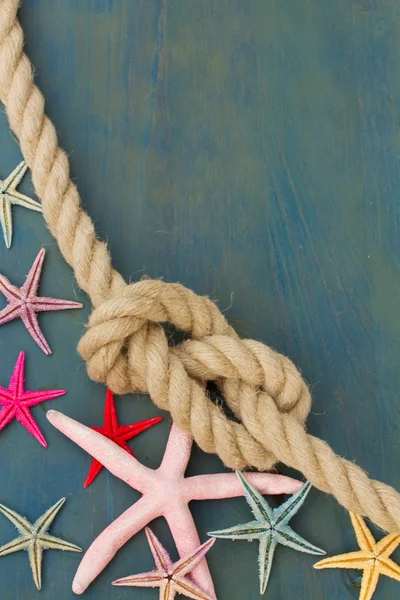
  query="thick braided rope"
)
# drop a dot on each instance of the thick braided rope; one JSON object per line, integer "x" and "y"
{"x": 127, "y": 348}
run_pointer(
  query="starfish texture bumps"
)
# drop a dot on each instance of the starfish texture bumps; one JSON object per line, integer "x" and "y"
{"x": 10, "y": 196}
{"x": 119, "y": 434}
{"x": 166, "y": 492}
{"x": 34, "y": 538}
{"x": 172, "y": 578}
{"x": 24, "y": 303}
{"x": 16, "y": 401}
{"x": 372, "y": 558}
{"x": 270, "y": 528}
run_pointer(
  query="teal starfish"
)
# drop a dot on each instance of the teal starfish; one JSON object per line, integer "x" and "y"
{"x": 270, "y": 528}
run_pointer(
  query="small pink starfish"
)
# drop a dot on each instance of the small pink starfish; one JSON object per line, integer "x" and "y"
{"x": 170, "y": 577}
{"x": 24, "y": 303}
{"x": 166, "y": 492}
{"x": 16, "y": 401}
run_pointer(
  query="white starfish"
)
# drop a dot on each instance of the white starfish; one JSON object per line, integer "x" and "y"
{"x": 34, "y": 538}
{"x": 10, "y": 196}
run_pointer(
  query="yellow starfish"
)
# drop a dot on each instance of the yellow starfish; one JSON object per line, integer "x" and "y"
{"x": 373, "y": 558}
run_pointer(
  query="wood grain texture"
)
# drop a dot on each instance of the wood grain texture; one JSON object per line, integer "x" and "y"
{"x": 250, "y": 150}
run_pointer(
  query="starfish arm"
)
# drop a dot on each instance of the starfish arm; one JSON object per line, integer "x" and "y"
{"x": 6, "y": 220}
{"x": 286, "y": 536}
{"x": 25, "y": 418}
{"x": 10, "y": 291}
{"x": 117, "y": 461}
{"x": 389, "y": 568}
{"x": 107, "y": 544}
{"x": 20, "y": 543}
{"x": 127, "y": 432}
{"x": 16, "y": 386}
{"x": 177, "y": 453}
{"x": 265, "y": 558}
{"x": 227, "y": 485}
{"x": 186, "y": 587}
{"x": 110, "y": 414}
{"x": 7, "y": 414}
{"x": 259, "y": 506}
{"x": 6, "y": 397}
{"x": 188, "y": 563}
{"x": 22, "y": 200}
{"x": 43, "y": 523}
{"x": 44, "y": 304}
{"x": 31, "y": 283}
{"x": 34, "y": 398}
{"x": 253, "y": 530}
{"x": 35, "y": 553}
{"x": 387, "y": 545}
{"x": 15, "y": 178}
{"x": 364, "y": 536}
{"x": 352, "y": 560}
{"x": 161, "y": 557}
{"x": 94, "y": 470}
{"x": 285, "y": 512}
{"x": 30, "y": 320}
{"x": 186, "y": 538}
{"x": 150, "y": 579}
{"x": 49, "y": 542}
{"x": 9, "y": 313}
{"x": 21, "y": 524}
{"x": 368, "y": 583}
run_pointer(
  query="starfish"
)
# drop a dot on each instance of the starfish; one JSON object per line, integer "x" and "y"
{"x": 34, "y": 538}
{"x": 24, "y": 303}
{"x": 170, "y": 577}
{"x": 372, "y": 558}
{"x": 119, "y": 434}
{"x": 166, "y": 492}
{"x": 270, "y": 528}
{"x": 10, "y": 196}
{"x": 16, "y": 401}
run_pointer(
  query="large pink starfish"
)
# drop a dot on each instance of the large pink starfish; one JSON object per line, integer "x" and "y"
{"x": 166, "y": 492}
{"x": 24, "y": 303}
{"x": 172, "y": 578}
{"x": 16, "y": 401}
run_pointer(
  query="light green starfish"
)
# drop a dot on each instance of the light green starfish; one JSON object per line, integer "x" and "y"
{"x": 10, "y": 196}
{"x": 34, "y": 538}
{"x": 270, "y": 528}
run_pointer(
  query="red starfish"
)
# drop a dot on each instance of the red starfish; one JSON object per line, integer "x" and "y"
{"x": 16, "y": 401}
{"x": 119, "y": 434}
{"x": 24, "y": 303}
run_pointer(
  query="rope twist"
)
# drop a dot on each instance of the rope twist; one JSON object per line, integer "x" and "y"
{"x": 126, "y": 345}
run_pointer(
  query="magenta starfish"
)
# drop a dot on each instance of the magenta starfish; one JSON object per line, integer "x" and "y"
{"x": 16, "y": 401}
{"x": 166, "y": 492}
{"x": 172, "y": 578}
{"x": 24, "y": 303}
{"x": 119, "y": 434}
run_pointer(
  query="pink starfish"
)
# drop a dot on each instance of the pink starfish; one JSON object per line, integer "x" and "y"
{"x": 170, "y": 577}
{"x": 16, "y": 401}
{"x": 24, "y": 303}
{"x": 166, "y": 492}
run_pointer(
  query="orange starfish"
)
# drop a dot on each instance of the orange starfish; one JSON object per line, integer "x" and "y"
{"x": 373, "y": 558}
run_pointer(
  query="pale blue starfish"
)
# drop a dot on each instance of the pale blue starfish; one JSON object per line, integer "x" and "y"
{"x": 270, "y": 528}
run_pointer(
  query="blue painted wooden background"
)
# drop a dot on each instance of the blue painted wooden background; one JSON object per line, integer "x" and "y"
{"x": 250, "y": 150}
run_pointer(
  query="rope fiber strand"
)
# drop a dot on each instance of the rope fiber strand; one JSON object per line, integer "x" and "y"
{"x": 126, "y": 347}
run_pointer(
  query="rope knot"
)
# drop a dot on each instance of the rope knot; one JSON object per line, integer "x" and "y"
{"x": 126, "y": 347}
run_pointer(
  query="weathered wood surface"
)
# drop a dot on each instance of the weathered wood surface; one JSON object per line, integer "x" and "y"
{"x": 249, "y": 150}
